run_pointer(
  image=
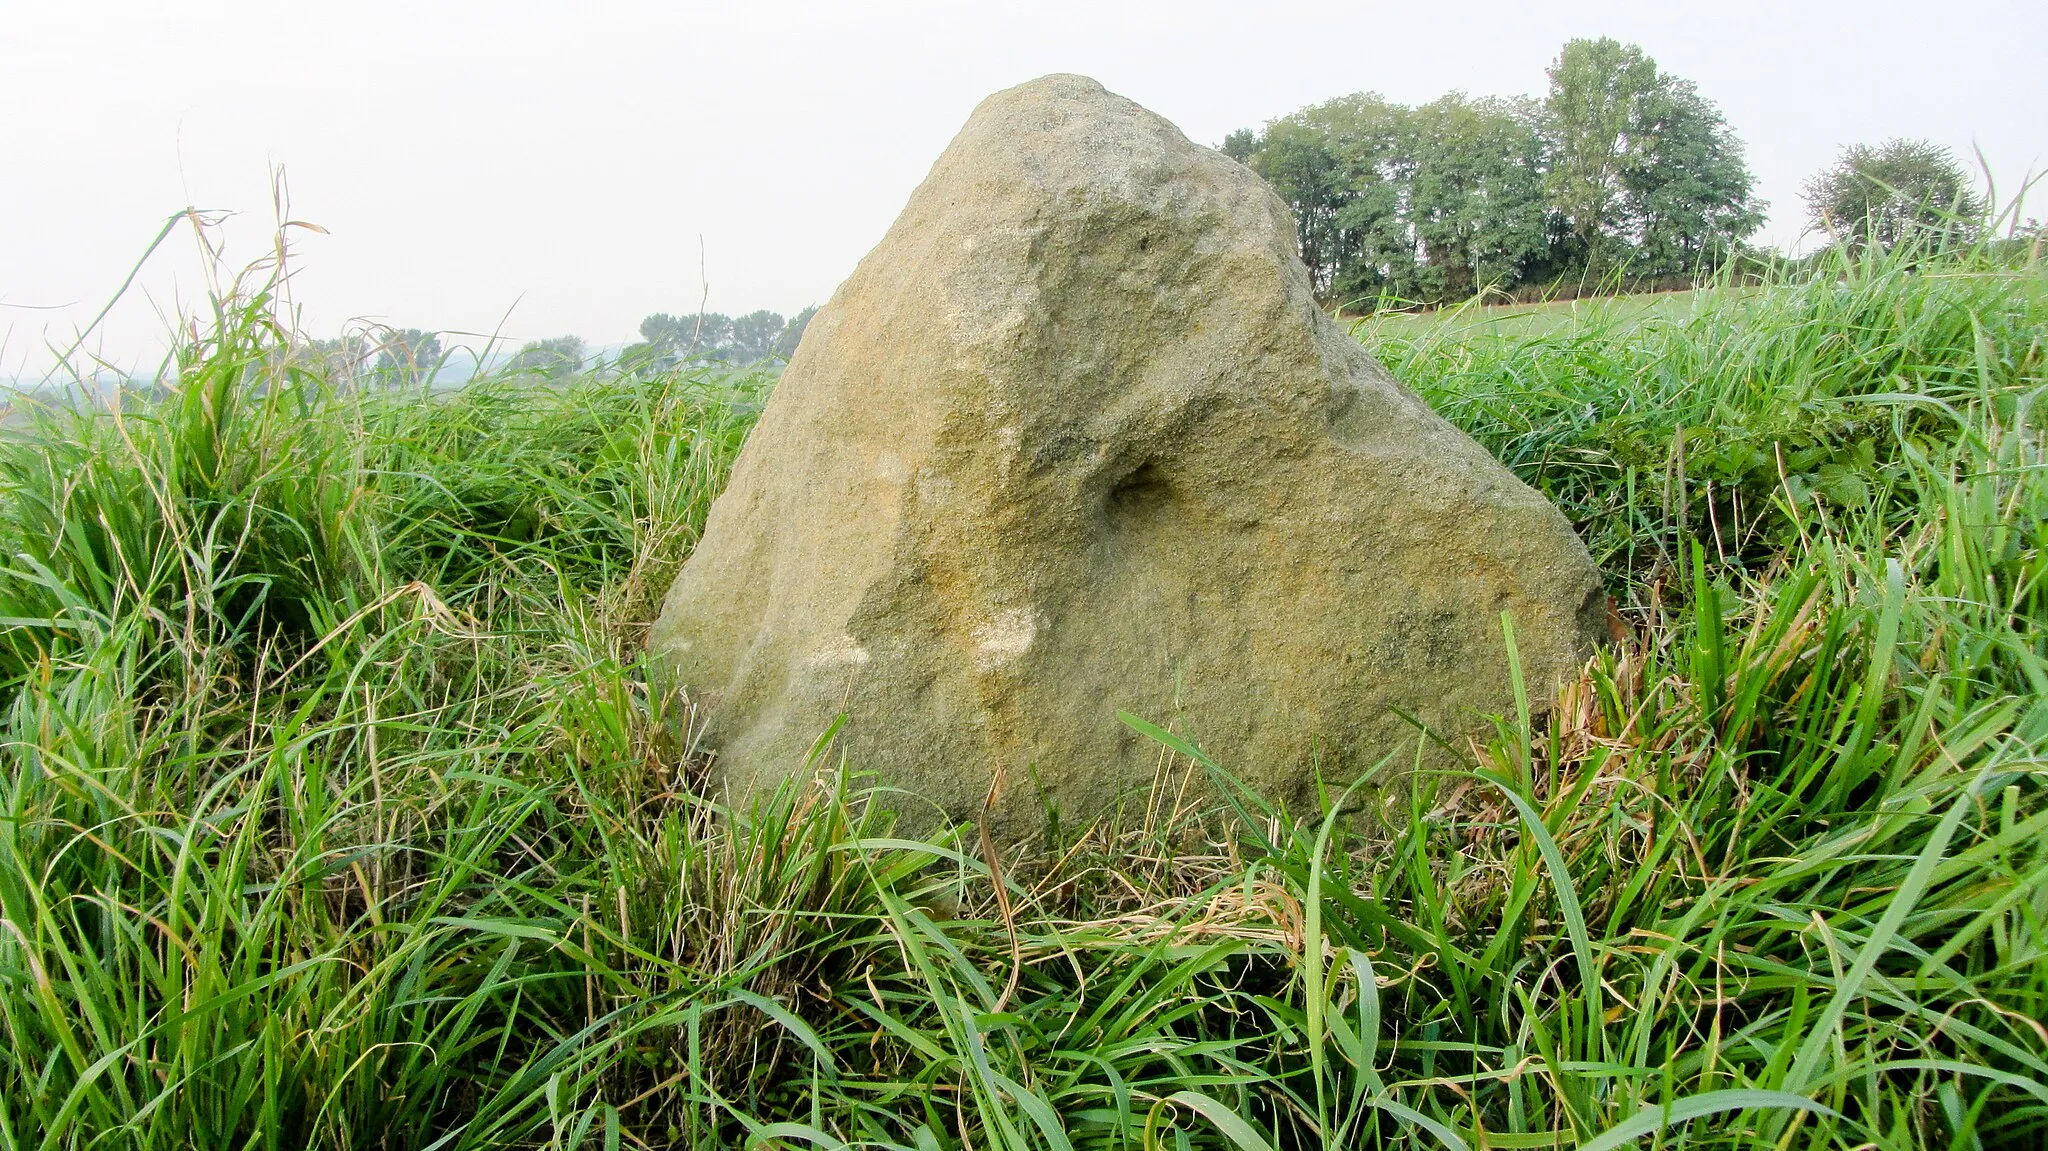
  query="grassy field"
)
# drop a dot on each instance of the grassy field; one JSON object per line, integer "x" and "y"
{"x": 1473, "y": 318}
{"x": 338, "y": 811}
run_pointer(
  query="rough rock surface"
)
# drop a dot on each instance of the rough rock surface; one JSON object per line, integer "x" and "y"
{"x": 1076, "y": 438}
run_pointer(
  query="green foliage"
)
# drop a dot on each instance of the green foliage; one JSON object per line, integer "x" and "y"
{"x": 341, "y": 812}
{"x": 754, "y": 336}
{"x": 1687, "y": 194}
{"x": 1642, "y": 167}
{"x": 341, "y": 362}
{"x": 792, "y": 333}
{"x": 1619, "y": 169}
{"x": 1371, "y": 184}
{"x": 668, "y": 341}
{"x": 1310, "y": 176}
{"x": 407, "y": 355}
{"x": 1476, "y": 196}
{"x": 1591, "y": 114}
{"x": 1240, "y": 145}
{"x": 559, "y": 356}
{"x": 1881, "y": 195}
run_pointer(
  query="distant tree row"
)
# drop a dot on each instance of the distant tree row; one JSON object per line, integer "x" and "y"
{"x": 381, "y": 356}
{"x": 560, "y": 356}
{"x": 392, "y": 356}
{"x": 1621, "y": 168}
{"x": 667, "y": 341}
{"x": 408, "y": 356}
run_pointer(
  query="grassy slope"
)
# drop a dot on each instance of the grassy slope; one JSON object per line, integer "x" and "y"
{"x": 338, "y": 812}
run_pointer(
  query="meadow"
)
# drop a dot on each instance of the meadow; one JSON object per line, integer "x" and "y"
{"x": 339, "y": 810}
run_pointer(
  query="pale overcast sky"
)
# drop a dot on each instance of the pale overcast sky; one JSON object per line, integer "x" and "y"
{"x": 547, "y": 168}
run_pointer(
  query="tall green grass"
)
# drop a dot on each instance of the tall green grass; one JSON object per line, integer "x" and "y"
{"x": 339, "y": 811}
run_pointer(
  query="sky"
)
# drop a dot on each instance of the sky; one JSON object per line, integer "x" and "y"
{"x": 541, "y": 169}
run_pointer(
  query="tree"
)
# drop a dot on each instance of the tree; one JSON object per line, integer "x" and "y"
{"x": 668, "y": 341}
{"x": 1374, "y": 142}
{"x": 1476, "y": 198}
{"x": 1597, "y": 88}
{"x": 1414, "y": 203}
{"x": 406, "y": 355}
{"x": 1642, "y": 168}
{"x": 645, "y": 357}
{"x": 753, "y": 337}
{"x": 695, "y": 336}
{"x": 1687, "y": 193}
{"x": 1881, "y": 195}
{"x": 340, "y": 362}
{"x": 1240, "y": 145}
{"x": 559, "y": 356}
{"x": 658, "y": 349}
{"x": 793, "y": 333}
{"x": 665, "y": 331}
{"x": 1619, "y": 164}
{"x": 1342, "y": 167}
{"x": 706, "y": 336}
{"x": 1297, "y": 161}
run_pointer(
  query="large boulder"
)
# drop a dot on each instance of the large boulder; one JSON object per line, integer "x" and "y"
{"x": 1076, "y": 438}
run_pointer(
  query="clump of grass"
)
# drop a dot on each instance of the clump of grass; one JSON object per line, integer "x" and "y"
{"x": 339, "y": 811}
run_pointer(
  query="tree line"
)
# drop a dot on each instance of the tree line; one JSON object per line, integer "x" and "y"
{"x": 385, "y": 356}
{"x": 380, "y": 356}
{"x": 1620, "y": 175}
{"x": 668, "y": 341}
{"x": 1620, "y": 168}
